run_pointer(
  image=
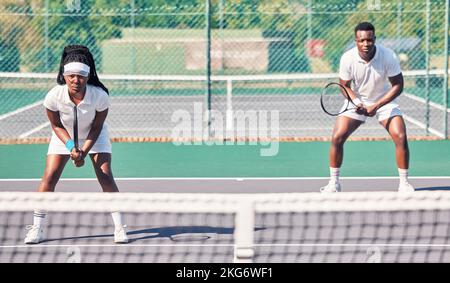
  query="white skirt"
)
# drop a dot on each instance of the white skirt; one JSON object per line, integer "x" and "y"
{"x": 102, "y": 145}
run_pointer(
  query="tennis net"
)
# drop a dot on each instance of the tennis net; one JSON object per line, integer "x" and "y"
{"x": 297, "y": 227}
{"x": 277, "y": 107}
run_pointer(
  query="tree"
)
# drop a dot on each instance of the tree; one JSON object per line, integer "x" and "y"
{"x": 17, "y": 34}
{"x": 40, "y": 33}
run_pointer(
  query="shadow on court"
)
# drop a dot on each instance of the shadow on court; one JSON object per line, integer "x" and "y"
{"x": 180, "y": 233}
{"x": 78, "y": 238}
{"x": 183, "y": 233}
{"x": 442, "y": 188}
{"x": 175, "y": 234}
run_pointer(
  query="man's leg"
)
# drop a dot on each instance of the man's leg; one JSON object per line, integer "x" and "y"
{"x": 397, "y": 130}
{"x": 343, "y": 128}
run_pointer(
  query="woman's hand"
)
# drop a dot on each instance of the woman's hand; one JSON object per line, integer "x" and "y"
{"x": 79, "y": 163}
{"x": 77, "y": 156}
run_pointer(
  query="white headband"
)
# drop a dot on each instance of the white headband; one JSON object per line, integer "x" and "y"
{"x": 76, "y": 68}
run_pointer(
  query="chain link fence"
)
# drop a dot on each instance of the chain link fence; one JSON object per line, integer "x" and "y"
{"x": 268, "y": 61}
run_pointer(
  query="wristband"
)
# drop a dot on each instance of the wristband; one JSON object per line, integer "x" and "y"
{"x": 70, "y": 145}
{"x": 357, "y": 101}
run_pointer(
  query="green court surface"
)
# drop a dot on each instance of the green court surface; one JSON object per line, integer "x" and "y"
{"x": 12, "y": 99}
{"x": 309, "y": 159}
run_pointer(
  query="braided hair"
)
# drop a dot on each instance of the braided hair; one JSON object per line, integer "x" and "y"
{"x": 79, "y": 53}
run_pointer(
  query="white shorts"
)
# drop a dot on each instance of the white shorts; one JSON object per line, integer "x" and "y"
{"x": 385, "y": 112}
{"x": 102, "y": 145}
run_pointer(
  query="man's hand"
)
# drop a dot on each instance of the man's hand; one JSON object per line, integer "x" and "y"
{"x": 361, "y": 109}
{"x": 372, "y": 110}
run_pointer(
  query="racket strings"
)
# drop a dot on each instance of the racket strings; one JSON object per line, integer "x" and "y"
{"x": 333, "y": 99}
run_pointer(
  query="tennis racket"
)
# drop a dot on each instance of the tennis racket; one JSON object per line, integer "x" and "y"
{"x": 331, "y": 99}
{"x": 75, "y": 126}
{"x": 75, "y": 130}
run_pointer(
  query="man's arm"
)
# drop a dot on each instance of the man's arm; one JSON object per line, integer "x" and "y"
{"x": 396, "y": 90}
{"x": 360, "y": 106}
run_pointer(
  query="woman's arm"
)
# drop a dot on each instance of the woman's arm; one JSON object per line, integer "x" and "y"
{"x": 97, "y": 126}
{"x": 58, "y": 128}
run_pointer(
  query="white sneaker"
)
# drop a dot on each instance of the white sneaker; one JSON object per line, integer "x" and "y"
{"x": 120, "y": 235}
{"x": 332, "y": 187}
{"x": 35, "y": 235}
{"x": 405, "y": 187}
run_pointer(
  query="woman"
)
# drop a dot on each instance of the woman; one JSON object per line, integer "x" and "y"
{"x": 79, "y": 89}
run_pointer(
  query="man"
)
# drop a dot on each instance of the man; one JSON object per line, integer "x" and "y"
{"x": 377, "y": 81}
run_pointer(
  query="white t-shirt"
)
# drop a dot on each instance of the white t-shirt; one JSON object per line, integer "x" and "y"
{"x": 95, "y": 99}
{"x": 370, "y": 79}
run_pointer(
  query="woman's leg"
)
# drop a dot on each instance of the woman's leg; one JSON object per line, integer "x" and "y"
{"x": 102, "y": 167}
{"x": 53, "y": 169}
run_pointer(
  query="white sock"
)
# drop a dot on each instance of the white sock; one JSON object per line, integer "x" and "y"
{"x": 334, "y": 174}
{"x": 38, "y": 218}
{"x": 117, "y": 219}
{"x": 403, "y": 175}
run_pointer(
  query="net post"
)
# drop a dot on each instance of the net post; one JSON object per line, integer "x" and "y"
{"x": 133, "y": 29}
{"x": 229, "y": 113}
{"x": 208, "y": 16}
{"x": 47, "y": 35}
{"x": 445, "y": 102}
{"x": 427, "y": 68}
{"x": 244, "y": 232}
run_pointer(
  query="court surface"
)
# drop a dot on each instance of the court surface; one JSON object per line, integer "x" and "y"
{"x": 174, "y": 237}
{"x": 159, "y": 237}
{"x": 230, "y": 185}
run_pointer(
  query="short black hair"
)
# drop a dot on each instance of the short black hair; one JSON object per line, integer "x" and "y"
{"x": 82, "y": 54}
{"x": 364, "y": 26}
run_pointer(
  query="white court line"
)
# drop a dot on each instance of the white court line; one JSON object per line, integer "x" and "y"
{"x": 423, "y": 126}
{"x": 36, "y": 129}
{"x": 422, "y": 100}
{"x": 354, "y": 245}
{"x": 119, "y": 246}
{"x": 235, "y": 178}
{"x": 20, "y": 110}
{"x": 420, "y": 124}
{"x": 232, "y": 245}
{"x": 154, "y": 129}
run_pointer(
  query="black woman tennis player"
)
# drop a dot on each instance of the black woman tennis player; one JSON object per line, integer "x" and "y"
{"x": 78, "y": 85}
